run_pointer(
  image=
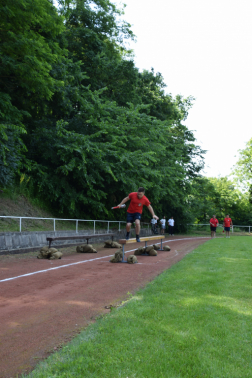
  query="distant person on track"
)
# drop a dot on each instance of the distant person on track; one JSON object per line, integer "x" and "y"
{"x": 171, "y": 226}
{"x": 213, "y": 224}
{"x": 135, "y": 209}
{"x": 227, "y": 223}
{"x": 163, "y": 224}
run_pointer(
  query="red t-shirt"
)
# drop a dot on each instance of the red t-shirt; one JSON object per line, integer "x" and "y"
{"x": 227, "y": 222}
{"x": 214, "y": 222}
{"x": 136, "y": 204}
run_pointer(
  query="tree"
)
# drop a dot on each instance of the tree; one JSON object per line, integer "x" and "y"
{"x": 28, "y": 29}
{"x": 243, "y": 168}
{"x": 219, "y": 196}
{"x": 95, "y": 127}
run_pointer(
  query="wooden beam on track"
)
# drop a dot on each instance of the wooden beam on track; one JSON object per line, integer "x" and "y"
{"x": 145, "y": 239}
{"x": 142, "y": 239}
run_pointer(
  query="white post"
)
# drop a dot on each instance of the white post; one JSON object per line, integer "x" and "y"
{"x": 76, "y": 226}
{"x": 119, "y": 226}
{"x": 94, "y": 227}
{"x": 249, "y": 229}
{"x": 54, "y": 224}
{"x": 20, "y": 224}
{"x": 108, "y": 227}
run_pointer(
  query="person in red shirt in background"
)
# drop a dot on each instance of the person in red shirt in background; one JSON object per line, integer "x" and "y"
{"x": 226, "y": 224}
{"x": 213, "y": 224}
{"x": 135, "y": 209}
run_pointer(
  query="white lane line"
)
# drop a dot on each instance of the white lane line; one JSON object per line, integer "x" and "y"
{"x": 85, "y": 261}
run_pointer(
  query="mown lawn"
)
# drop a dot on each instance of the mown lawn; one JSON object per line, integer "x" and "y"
{"x": 192, "y": 321}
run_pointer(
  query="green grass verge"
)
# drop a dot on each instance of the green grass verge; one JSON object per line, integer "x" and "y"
{"x": 194, "y": 320}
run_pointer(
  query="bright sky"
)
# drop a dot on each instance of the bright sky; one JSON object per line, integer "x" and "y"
{"x": 202, "y": 48}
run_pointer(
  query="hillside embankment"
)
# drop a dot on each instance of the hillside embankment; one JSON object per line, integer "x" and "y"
{"x": 20, "y": 206}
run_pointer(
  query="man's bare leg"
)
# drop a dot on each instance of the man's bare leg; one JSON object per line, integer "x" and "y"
{"x": 128, "y": 226}
{"x": 137, "y": 221}
{"x": 137, "y": 228}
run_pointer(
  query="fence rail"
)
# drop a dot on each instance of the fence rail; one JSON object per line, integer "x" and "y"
{"x": 207, "y": 224}
{"x": 75, "y": 220}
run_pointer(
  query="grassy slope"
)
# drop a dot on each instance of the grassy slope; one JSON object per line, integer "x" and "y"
{"x": 194, "y": 320}
{"x": 20, "y": 206}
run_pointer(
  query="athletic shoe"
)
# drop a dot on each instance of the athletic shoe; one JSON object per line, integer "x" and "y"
{"x": 127, "y": 237}
{"x": 138, "y": 240}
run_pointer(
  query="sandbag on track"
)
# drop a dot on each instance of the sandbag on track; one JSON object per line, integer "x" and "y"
{"x": 117, "y": 257}
{"x": 49, "y": 253}
{"x": 86, "y": 248}
{"x": 139, "y": 251}
{"x": 55, "y": 256}
{"x": 146, "y": 250}
{"x": 166, "y": 248}
{"x": 152, "y": 252}
{"x": 131, "y": 259}
{"x": 111, "y": 244}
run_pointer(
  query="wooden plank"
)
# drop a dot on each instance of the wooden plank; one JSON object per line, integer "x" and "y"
{"x": 145, "y": 238}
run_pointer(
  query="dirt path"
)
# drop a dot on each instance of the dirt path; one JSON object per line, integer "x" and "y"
{"x": 47, "y": 307}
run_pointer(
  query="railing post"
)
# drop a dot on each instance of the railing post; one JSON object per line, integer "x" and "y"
{"x": 249, "y": 229}
{"x": 76, "y": 226}
{"x": 119, "y": 226}
{"x": 20, "y": 224}
{"x": 108, "y": 227}
{"x": 54, "y": 224}
{"x": 94, "y": 227}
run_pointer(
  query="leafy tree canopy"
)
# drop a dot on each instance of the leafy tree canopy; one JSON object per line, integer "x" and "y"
{"x": 80, "y": 121}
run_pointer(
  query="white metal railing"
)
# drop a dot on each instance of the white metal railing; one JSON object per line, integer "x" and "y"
{"x": 207, "y": 224}
{"x": 76, "y": 221}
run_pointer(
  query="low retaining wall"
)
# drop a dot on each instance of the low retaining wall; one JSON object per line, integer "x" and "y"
{"x": 21, "y": 242}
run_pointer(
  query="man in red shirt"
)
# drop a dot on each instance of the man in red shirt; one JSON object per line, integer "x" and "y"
{"x": 135, "y": 209}
{"x": 227, "y": 223}
{"x": 213, "y": 224}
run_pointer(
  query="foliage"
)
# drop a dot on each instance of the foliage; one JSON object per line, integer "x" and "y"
{"x": 243, "y": 169}
{"x": 94, "y": 162}
{"x": 11, "y": 152}
{"x": 219, "y": 196}
{"x": 27, "y": 51}
{"x": 96, "y": 128}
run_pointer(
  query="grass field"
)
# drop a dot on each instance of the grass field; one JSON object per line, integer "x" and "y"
{"x": 194, "y": 320}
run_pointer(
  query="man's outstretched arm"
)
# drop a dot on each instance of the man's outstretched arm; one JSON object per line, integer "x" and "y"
{"x": 124, "y": 201}
{"x": 150, "y": 208}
